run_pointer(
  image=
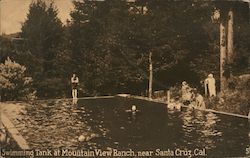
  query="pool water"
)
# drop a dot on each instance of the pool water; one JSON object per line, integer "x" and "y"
{"x": 107, "y": 125}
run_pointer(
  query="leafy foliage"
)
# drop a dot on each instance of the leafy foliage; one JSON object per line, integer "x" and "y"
{"x": 236, "y": 99}
{"x": 43, "y": 33}
{"x": 107, "y": 44}
{"x": 13, "y": 81}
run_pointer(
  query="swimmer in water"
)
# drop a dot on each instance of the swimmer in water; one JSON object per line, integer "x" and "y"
{"x": 133, "y": 109}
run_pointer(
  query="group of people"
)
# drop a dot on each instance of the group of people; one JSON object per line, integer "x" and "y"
{"x": 191, "y": 97}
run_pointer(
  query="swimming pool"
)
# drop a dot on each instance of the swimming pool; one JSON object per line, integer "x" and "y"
{"x": 58, "y": 124}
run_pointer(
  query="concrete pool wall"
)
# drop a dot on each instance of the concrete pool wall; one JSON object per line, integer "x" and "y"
{"x": 13, "y": 133}
{"x": 162, "y": 102}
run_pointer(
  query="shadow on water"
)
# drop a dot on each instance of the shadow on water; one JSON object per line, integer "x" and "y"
{"x": 105, "y": 124}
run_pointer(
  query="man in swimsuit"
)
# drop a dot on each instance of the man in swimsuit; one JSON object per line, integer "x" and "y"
{"x": 74, "y": 83}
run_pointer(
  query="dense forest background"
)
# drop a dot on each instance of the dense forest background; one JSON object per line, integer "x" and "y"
{"x": 107, "y": 44}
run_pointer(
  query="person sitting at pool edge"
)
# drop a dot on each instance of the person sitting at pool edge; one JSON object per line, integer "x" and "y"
{"x": 186, "y": 93}
{"x": 74, "y": 84}
{"x": 199, "y": 101}
{"x": 174, "y": 104}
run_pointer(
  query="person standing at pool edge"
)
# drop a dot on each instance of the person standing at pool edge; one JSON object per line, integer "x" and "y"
{"x": 210, "y": 86}
{"x": 74, "y": 83}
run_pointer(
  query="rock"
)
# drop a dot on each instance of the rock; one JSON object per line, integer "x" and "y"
{"x": 87, "y": 137}
{"x": 122, "y": 128}
{"x": 81, "y": 138}
{"x": 116, "y": 143}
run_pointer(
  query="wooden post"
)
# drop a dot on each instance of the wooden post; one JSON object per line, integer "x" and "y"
{"x": 150, "y": 76}
{"x": 0, "y": 17}
{"x": 168, "y": 96}
{"x": 205, "y": 86}
{"x": 223, "y": 50}
{"x": 230, "y": 37}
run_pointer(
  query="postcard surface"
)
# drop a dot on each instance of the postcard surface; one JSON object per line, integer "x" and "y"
{"x": 124, "y": 78}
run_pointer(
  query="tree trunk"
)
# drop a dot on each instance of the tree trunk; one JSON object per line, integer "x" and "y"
{"x": 230, "y": 37}
{"x": 223, "y": 50}
{"x": 150, "y": 83}
{"x": 0, "y": 18}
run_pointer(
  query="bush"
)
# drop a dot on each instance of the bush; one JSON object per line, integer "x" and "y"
{"x": 13, "y": 82}
{"x": 236, "y": 99}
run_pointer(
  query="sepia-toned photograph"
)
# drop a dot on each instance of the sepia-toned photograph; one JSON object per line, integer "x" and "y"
{"x": 125, "y": 78}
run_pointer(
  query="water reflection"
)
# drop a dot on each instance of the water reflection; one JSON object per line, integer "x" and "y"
{"x": 203, "y": 125}
{"x": 58, "y": 124}
{"x": 74, "y": 101}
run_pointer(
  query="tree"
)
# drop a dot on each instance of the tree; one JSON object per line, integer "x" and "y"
{"x": 43, "y": 32}
{"x": 103, "y": 58}
{"x": 175, "y": 35}
{"x": 43, "y": 35}
{"x": 131, "y": 31}
{"x": 241, "y": 56}
{"x": 112, "y": 41}
{"x": 14, "y": 83}
{"x": 226, "y": 15}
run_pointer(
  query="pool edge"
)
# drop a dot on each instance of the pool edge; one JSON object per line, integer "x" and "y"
{"x": 14, "y": 133}
{"x": 162, "y": 102}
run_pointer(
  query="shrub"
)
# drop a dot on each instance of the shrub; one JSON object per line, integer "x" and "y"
{"x": 236, "y": 98}
{"x": 13, "y": 82}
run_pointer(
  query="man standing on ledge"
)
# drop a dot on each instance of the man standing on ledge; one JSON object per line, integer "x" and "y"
{"x": 74, "y": 83}
{"x": 210, "y": 86}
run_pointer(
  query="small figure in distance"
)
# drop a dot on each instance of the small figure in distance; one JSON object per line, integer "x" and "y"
{"x": 210, "y": 87}
{"x": 74, "y": 83}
